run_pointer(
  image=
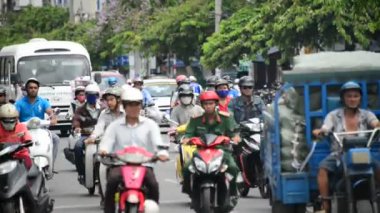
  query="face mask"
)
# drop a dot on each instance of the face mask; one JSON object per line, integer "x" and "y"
{"x": 186, "y": 100}
{"x": 91, "y": 99}
{"x": 81, "y": 98}
{"x": 223, "y": 93}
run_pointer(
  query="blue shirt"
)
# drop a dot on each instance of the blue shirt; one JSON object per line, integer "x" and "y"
{"x": 197, "y": 88}
{"x": 28, "y": 110}
{"x": 147, "y": 98}
{"x": 234, "y": 93}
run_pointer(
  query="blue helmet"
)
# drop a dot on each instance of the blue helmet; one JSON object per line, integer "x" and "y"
{"x": 112, "y": 81}
{"x": 350, "y": 85}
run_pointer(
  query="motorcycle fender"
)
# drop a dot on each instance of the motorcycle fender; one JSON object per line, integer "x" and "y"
{"x": 16, "y": 181}
{"x": 208, "y": 184}
{"x": 132, "y": 196}
{"x": 91, "y": 149}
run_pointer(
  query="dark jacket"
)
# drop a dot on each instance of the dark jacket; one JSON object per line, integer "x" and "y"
{"x": 84, "y": 120}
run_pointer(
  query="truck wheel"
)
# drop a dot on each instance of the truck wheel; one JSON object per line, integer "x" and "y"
{"x": 364, "y": 206}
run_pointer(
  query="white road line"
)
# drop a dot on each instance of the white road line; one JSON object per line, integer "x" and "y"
{"x": 171, "y": 181}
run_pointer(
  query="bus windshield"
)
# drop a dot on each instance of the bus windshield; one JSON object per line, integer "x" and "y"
{"x": 53, "y": 69}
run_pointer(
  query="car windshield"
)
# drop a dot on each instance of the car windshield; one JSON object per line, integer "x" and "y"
{"x": 53, "y": 69}
{"x": 161, "y": 90}
{"x": 104, "y": 85}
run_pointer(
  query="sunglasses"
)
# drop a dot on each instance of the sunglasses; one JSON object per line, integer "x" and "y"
{"x": 247, "y": 87}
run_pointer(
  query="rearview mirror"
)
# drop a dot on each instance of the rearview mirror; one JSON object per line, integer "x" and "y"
{"x": 98, "y": 78}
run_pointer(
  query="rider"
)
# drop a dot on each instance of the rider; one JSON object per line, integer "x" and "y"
{"x": 84, "y": 121}
{"x": 195, "y": 85}
{"x": 33, "y": 105}
{"x": 222, "y": 89}
{"x": 187, "y": 109}
{"x": 147, "y": 98}
{"x": 345, "y": 119}
{"x": 112, "y": 81}
{"x": 180, "y": 80}
{"x": 80, "y": 98}
{"x": 136, "y": 130}
{"x": 248, "y": 105}
{"x": 215, "y": 122}
{"x": 210, "y": 83}
{"x": 3, "y": 96}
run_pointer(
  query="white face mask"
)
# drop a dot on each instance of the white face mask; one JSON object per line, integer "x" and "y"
{"x": 186, "y": 100}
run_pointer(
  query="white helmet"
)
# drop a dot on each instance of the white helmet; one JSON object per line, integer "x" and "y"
{"x": 131, "y": 94}
{"x": 192, "y": 78}
{"x": 8, "y": 116}
{"x": 151, "y": 206}
{"x": 92, "y": 89}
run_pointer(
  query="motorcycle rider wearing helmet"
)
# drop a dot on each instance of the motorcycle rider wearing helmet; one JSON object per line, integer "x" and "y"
{"x": 33, "y": 105}
{"x": 195, "y": 85}
{"x": 136, "y": 130}
{"x": 218, "y": 123}
{"x": 111, "y": 113}
{"x": 187, "y": 109}
{"x": 138, "y": 83}
{"x": 349, "y": 117}
{"x": 210, "y": 83}
{"x": 11, "y": 130}
{"x": 223, "y": 90}
{"x": 84, "y": 122}
{"x": 112, "y": 81}
{"x": 248, "y": 105}
{"x": 79, "y": 99}
{"x": 3, "y": 96}
{"x": 181, "y": 79}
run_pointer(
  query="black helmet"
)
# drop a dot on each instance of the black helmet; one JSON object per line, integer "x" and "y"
{"x": 211, "y": 81}
{"x": 185, "y": 89}
{"x": 246, "y": 81}
{"x": 221, "y": 82}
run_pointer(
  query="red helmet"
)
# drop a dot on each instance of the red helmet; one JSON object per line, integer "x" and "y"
{"x": 180, "y": 78}
{"x": 209, "y": 96}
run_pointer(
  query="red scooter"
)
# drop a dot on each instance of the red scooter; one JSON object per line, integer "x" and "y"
{"x": 131, "y": 197}
{"x": 209, "y": 181}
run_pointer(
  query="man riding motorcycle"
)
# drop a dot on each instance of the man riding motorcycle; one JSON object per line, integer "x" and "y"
{"x": 350, "y": 117}
{"x": 33, "y": 105}
{"x": 187, "y": 109}
{"x": 112, "y": 81}
{"x": 138, "y": 83}
{"x": 180, "y": 80}
{"x": 84, "y": 121}
{"x": 79, "y": 99}
{"x": 218, "y": 123}
{"x": 136, "y": 130}
{"x": 247, "y": 105}
{"x": 210, "y": 83}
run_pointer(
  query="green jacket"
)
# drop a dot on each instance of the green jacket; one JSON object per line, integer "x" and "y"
{"x": 224, "y": 124}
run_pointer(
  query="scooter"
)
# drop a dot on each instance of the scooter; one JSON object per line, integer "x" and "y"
{"x": 91, "y": 167}
{"x": 131, "y": 197}
{"x": 19, "y": 187}
{"x": 42, "y": 149}
{"x": 248, "y": 158}
{"x": 210, "y": 190}
{"x": 69, "y": 150}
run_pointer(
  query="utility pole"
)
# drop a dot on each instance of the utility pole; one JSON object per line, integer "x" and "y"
{"x": 218, "y": 14}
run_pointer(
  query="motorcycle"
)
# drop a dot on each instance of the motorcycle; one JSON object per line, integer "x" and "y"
{"x": 130, "y": 195}
{"x": 355, "y": 191}
{"x": 248, "y": 158}
{"x": 19, "y": 185}
{"x": 209, "y": 181}
{"x": 92, "y": 167}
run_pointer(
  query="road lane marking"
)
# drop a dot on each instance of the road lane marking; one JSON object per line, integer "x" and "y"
{"x": 171, "y": 181}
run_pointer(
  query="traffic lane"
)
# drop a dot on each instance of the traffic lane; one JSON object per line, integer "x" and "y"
{"x": 72, "y": 197}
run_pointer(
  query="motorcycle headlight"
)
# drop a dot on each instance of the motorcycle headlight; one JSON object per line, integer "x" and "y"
{"x": 200, "y": 165}
{"x": 215, "y": 164}
{"x": 7, "y": 167}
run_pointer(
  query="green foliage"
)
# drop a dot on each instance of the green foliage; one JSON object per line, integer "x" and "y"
{"x": 31, "y": 22}
{"x": 291, "y": 24}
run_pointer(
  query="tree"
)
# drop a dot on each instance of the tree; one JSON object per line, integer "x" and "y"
{"x": 291, "y": 24}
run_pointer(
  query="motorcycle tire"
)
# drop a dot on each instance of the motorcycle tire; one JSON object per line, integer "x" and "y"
{"x": 243, "y": 189}
{"x": 9, "y": 207}
{"x": 364, "y": 206}
{"x": 132, "y": 208}
{"x": 262, "y": 183}
{"x": 91, "y": 190}
{"x": 206, "y": 201}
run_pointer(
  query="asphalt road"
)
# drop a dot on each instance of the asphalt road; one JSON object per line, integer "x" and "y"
{"x": 71, "y": 197}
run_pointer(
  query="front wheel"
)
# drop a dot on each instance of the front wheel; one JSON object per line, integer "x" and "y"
{"x": 91, "y": 190}
{"x": 262, "y": 182}
{"x": 364, "y": 206}
{"x": 132, "y": 208}
{"x": 243, "y": 189}
{"x": 206, "y": 201}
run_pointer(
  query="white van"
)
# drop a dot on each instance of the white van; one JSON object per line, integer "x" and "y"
{"x": 56, "y": 64}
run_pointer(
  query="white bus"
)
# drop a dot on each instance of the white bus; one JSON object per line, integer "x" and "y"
{"x": 56, "y": 64}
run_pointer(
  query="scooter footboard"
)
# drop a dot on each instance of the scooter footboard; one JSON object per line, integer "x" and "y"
{"x": 91, "y": 149}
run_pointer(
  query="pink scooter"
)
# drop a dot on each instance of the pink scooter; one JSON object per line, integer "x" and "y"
{"x": 131, "y": 194}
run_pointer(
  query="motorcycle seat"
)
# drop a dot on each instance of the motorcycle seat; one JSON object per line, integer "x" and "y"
{"x": 33, "y": 172}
